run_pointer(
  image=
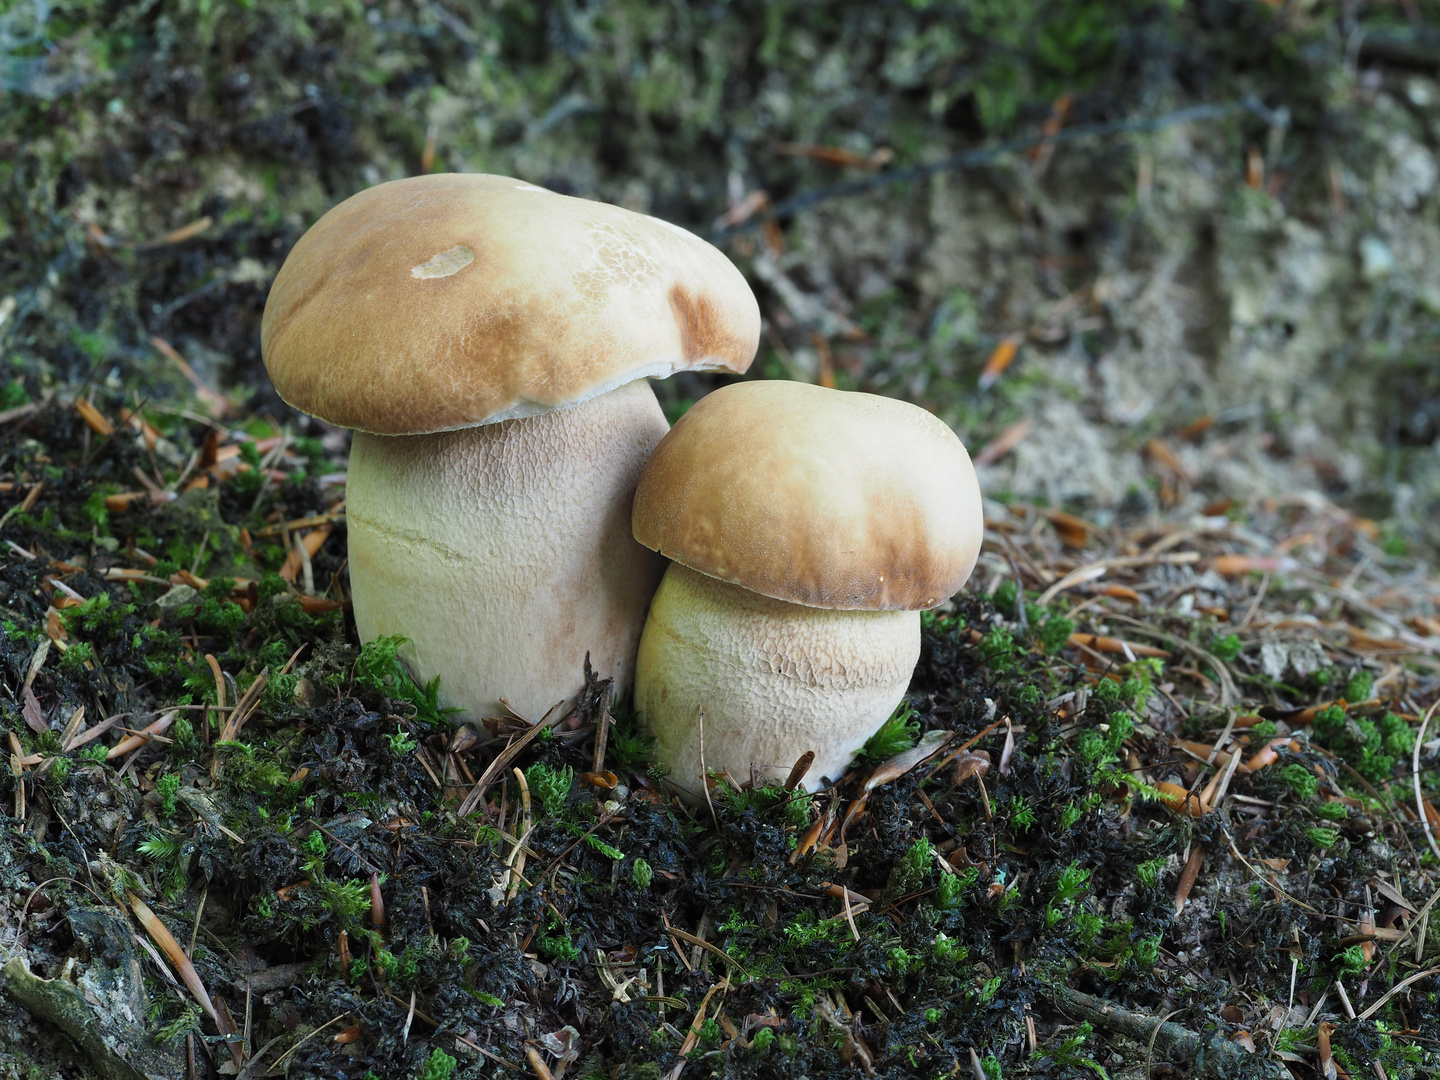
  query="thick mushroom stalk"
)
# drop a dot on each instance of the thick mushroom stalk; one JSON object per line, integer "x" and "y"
{"x": 424, "y": 307}
{"x": 775, "y": 680}
{"x": 504, "y": 551}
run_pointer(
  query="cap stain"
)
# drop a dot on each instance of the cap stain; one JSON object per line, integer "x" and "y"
{"x": 448, "y": 262}
{"x": 701, "y": 323}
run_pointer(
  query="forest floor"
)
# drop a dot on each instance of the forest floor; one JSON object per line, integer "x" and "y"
{"x": 1164, "y": 769}
{"x": 1161, "y": 797}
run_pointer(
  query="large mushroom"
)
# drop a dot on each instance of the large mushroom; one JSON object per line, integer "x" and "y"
{"x": 489, "y": 342}
{"x": 808, "y": 528}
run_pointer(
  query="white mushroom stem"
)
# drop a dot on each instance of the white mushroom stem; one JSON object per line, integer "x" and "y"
{"x": 504, "y": 551}
{"x": 776, "y": 680}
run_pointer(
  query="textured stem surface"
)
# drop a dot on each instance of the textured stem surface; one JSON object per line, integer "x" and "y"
{"x": 776, "y": 680}
{"x": 504, "y": 551}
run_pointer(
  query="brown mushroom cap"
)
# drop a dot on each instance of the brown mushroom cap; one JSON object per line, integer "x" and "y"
{"x": 819, "y": 497}
{"x": 447, "y": 301}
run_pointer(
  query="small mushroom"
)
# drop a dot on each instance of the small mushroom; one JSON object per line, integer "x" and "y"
{"x": 489, "y": 341}
{"x": 808, "y": 528}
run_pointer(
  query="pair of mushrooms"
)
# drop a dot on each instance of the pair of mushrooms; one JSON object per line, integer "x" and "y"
{"x": 489, "y": 341}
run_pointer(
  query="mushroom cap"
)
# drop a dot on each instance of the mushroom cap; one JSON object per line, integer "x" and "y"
{"x": 453, "y": 300}
{"x": 820, "y": 497}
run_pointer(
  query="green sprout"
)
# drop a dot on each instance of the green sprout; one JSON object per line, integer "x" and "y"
{"x": 1073, "y": 881}
{"x": 167, "y": 787}
{"x": 438, "y": 1066}
{"x": 897, "y": 735}
{"x": 1302, "y": 781}
{"x": 549, "y": 785}
{"x": 641, "y": 874}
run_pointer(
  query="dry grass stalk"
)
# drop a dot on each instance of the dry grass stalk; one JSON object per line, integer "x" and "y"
{"x": 930, "y": 745}
{"x": 244, "y": 707}
{"x": 219, "y": 680}
{"x": 603, "y": 721}
{"x": 1420, "y": 800}
{"x": 94, "y": 419}
{"x": 1129, "y": 649}
{"x": 302, "y": 551}
{"x": 799, "y": 769}
{"x": 508, "y": 754}
{"x": 515, "y": 863}
{"x": 37, "y": 661}
{"x": 1180, "y": 800}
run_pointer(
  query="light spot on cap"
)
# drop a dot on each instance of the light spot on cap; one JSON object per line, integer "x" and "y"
{"x": 448, "y": 262}
{"x": 522, "y": 186}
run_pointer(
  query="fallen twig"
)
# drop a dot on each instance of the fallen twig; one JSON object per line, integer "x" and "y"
{"x": 1206, "y": 1056}
{"x": 1415, "y": 776}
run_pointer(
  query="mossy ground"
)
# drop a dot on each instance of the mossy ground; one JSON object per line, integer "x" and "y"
{"x": 965, "y": 907}
{"x": 158, "y": 161}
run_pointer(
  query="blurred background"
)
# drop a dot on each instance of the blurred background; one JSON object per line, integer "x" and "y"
{"x": 1146, "y": 257}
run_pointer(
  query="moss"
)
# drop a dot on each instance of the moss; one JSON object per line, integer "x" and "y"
{"x": 897, "y": 735}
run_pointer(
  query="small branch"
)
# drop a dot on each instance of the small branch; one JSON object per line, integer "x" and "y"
{"x": 1211, "y": 1056}
{"x": 1420, "y": 807}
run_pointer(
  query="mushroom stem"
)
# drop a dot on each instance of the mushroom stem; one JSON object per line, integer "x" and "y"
{"x": 776, "y": 679}
{"x": 504, "y": 552}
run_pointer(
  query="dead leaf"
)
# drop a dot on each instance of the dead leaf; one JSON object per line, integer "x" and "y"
{"x": 931, "y": 743}
{"x": 34, "y": 715}
{"x": 973, "y": 763}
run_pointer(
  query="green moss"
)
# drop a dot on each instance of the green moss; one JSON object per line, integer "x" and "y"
{"x": 999, "y": 651}
{"x": 1370, "y": 748}
{"x": 166, "y": 787}
{"x": 559, "y": 947}
{"x": 1301, "y": 780}
{"x": 379, "y": 668}
{"x": 550, "y": 786}
{"x": 77, "y": 657}
{"x": 1055, "y": 633}
{"x": 1360, "y": 687}
{"x": 897, "y": 735}
{"x": 1226, "y": 647}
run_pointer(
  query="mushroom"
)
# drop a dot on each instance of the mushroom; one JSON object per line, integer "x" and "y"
{"x": 808, "y": 528}
{"x": 489, "y": 341}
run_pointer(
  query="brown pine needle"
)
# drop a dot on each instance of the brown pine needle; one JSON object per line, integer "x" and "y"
{"x": 160, "y": 934}
{"x": 131, "y": 743}
{"x": 1188, "y": 876}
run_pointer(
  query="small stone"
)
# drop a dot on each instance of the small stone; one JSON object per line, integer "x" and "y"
{"x": 178, "y": 596}
{"x": 1376, "y": 259}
